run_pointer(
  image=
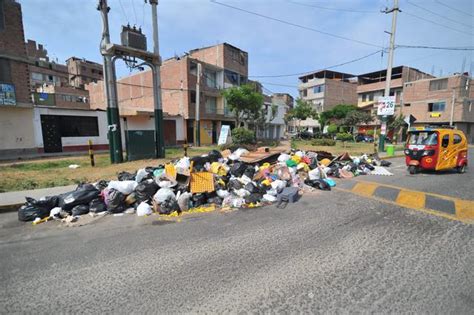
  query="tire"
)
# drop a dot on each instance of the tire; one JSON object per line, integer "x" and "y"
{"x": 461, "y": 169}
{"x": 412, "y": 169}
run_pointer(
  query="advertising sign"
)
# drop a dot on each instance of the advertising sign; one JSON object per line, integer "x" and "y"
{"x": 7, "y": 94}
{"x": 386, "y": 106}
{"x": 225, "y": 134}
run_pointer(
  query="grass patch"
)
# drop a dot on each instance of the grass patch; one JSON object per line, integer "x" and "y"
{"x": 55, "y": 172}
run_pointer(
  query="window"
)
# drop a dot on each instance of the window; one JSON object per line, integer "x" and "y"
{"x": 423, "y": 138}
{"x": 83, "y": 68}
{"x": 66, "y": 98}
{"x": 78, "y": 126}
{"x": 436, "y": 85}
{"x": 193, "y": 68}
{"x": 364, "y": 97}
{"x": 5, "y": 70}
{"x": 457, "y": 139}
{"x": 304, "y": 93}
{"x": 407, "y": 104}
{"x": 445, "y": 141}
{"x": 436, "y": 107}
{"x": 211, "y": 105}
{"x": 36, "y": 76}
{"x": 2, "y": 17}
{"x": 371, "y": 97}
{"x": 231, "y": 77}
{"x": 192, "y": 96}
{"x": 211, "y": 80}
{"x": 318, "y": 88}
{"x": 50, "y": 78}
{"x": 92, "y": 70}
{"x": 100, "y": 72}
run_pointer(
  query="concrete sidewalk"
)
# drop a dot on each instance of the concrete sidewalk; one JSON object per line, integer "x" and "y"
{"x": 10, "y": 201}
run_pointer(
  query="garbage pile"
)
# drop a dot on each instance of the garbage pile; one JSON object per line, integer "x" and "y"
{"x": 222, "y": 179}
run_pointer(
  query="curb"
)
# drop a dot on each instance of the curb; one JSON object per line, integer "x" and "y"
{"x": 10, "y": 208}
{"x": 439, "y": 205}
{"x": 392, "y": 157}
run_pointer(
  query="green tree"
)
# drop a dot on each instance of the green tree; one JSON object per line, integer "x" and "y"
{"x": 336, "y": 114}
{"x": 332, "y": 129}
{"x": 355, "y": 118}
{"x": 396, "y": 124}
{"x": 244, "y": 101}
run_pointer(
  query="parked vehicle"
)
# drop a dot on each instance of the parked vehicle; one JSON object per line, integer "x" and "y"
{"x": 364, "y": 138}
{"x": 435, "y": 148}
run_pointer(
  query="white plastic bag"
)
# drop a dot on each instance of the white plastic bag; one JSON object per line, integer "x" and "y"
{"x": 125, "y": 187}
{"x": 283, "y": 157}
{"x": 314, "y": 174}
{"x": 163, "y": 194}
{"x": 183, "y": 163}
{"x": 144, "y": 209}
{"x": 278, "y": 184}
{"x": 222, "y": 193}
{"x": 140, "y": 174}
{"x": 269, "y": 198}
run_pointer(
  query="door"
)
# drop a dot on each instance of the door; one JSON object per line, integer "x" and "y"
{"x": 214, "y": 132}
{"x": 445, "y": 153}
{"x": 51, "y": 134}
{"x": 169, "y": 128}
{"x": 190, "y": 131}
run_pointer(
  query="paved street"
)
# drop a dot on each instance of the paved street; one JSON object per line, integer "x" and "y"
{"x": 331, "y": 252}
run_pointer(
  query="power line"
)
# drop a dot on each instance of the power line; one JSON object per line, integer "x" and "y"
{"x": 123, "y": 11}
{"x": 134, "y": 12}
{"x": 439, "y": 15}
{"x": 454, "y": 9}
{"x": 295, "y": 25}
{"x": 436, "y": 23}
{"x": 332, "y": 9}
{"x": 435, "y": 47}
{"x": 308, "y": 72}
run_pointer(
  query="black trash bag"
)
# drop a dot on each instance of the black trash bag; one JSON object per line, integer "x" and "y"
{"x": 199, "y": 200}
{"x": 235, "y": 184}
{"x": 237, "y": 169}
{"x": 253, "y": 198}
{"x": 214, "y": 156}
{"x": 145, "y": 190}
{"x": 199, "y": 162}
{"x": 101, "y": 185}
{"x": 353, "y": 167}
{"x": 216, "y": 200}
{"x": 170, "y": 205}
{"x": 33, "y": 208}
{"x": 385, "y": 163}
{"x": 126, "y": 176}
{"x": 249, "y": 171}
{"x": 81, "y": 196}
{"x": 80, "y": 210}
{"x": 97, "y": 205}
{"x": 250, "y": 187}
{"x": 314, "y": 163}
{"x": 114, "y": 200}
{"x": 370, "y": 167}
{"x": 318, "y": 183}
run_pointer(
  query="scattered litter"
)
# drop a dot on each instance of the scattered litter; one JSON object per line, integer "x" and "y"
{"x": 144, "y": 209}
{"x": 74, "y": 166}
{"x": 379, "y": 170}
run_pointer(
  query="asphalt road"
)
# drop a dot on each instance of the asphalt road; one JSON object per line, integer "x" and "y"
{"x": 331, "y": 252}
{"x": 447, "y": 182}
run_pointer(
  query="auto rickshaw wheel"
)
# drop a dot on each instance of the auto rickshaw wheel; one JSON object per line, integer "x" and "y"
{"x": 461, "y": 169}
{"x": 412, "y": 169}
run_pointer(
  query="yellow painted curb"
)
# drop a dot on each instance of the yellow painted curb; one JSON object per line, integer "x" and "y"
{"x": 411, "y": 199}
{"x": 364, "y": 189}
{"x": 464, "y": 209}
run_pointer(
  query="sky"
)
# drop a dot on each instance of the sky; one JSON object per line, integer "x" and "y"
{"x": 73, "y": 28}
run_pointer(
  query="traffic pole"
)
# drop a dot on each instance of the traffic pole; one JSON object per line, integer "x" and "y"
{"x": 198, "y": 104}
{"x": 388, "y": 78}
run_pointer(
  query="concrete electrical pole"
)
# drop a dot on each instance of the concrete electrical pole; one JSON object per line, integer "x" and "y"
{"x": 113, "y": 117}
{"x": 388, "y": 78}
{"x": 198, "y": 104}
{"x": 159, "y": 136}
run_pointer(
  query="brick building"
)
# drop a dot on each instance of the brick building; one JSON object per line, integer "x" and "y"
{"x": 371, "y": 86}
{"x": 434, "y": 101}
{"x": 82, "y": 72}
{"x": 326, "y": 89}
{"x": 284, "y": 98}
{"x": 222, "y": 65}
{"x": 16, "y": 108}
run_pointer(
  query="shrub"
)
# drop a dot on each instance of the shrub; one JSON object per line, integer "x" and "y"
{"x": 332, "y": 129}
{"x": 370, "y": 132}
{"x": 243, "y": 136}
{"x": 344, "y": 136}
{"x": 323, "y": 142}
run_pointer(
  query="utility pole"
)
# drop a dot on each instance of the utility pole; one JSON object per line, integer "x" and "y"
{"x": 453, "y": 101}
{"x": 388, "y": 78}
{"x": 198, "y": 103}
{"x": 113, "y": 117}
{"x": 159, "y": 137}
